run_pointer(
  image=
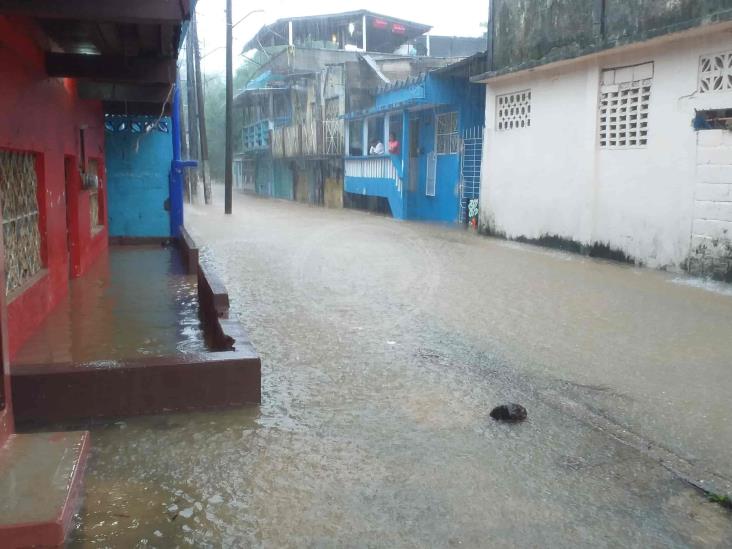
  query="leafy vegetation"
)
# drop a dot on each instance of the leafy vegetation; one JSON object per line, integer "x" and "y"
{"x": 215, "y": 105}
{"x": 723, "y": 500}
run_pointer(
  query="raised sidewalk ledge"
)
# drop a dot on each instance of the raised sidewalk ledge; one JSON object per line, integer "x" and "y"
{"x": 41, "y": 481}
{"x": 228, "y": 375}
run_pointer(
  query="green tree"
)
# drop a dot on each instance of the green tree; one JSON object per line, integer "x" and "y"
{"x": 215, "y": 105}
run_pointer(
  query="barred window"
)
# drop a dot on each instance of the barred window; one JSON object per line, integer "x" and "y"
{"x": 21, "y": 234}
{"x": 625, "y": 95}
{"x": 448, "y": 141}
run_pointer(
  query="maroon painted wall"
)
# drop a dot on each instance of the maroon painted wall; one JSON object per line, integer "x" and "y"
{"x": 44, "y": 115}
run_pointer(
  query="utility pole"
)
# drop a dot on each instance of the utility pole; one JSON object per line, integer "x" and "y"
{"x": 229, "y": 159}
{"x": 194, "y": 147}
{"x": 229, "y": 103}
{"x": 185, "y": 154}
{"x": 201, "y": 113}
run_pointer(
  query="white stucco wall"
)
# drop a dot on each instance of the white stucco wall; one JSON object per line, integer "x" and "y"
{"x": 553, "y": 179}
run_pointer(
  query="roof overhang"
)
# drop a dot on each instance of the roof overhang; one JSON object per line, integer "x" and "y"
{"x": 599, "y": 52}
{"x": 383, "y": 28}
{"x": 416, "y": 104}
{"x": 123, "y": 53}
{"x": 245, "y": 94}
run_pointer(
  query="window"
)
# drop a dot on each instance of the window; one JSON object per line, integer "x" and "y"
{"x": 281, "y": 106}
{"x": 513, "y": 110}
{"x": 355, "y": 138}
{"x": 95, "y": 212}
{"x": 713, "y": 119}
{"x": 715, "y": 72}
{"x": 376, "y": 133}
{"x": 332, "y": 108}
{"x": 333, "y": 127}
{"x": 395, "y": 127}
{"x": 447, "y": 140}
{"x": 21, "y": 233}
{"x": 625, "y": 94}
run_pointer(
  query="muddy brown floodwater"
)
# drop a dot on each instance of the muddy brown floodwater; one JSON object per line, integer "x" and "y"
{"x": 385, "y": 345}
{"x": 135, "y": 301}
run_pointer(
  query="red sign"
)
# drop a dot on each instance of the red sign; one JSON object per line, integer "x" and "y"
{"x": 398, "y": 29}
{"x": 380, "y": 24}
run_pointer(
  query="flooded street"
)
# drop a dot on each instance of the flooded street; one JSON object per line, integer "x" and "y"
{"x": 384, "y": 347}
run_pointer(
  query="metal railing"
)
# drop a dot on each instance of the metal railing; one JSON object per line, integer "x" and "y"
{"x": 309, "y": 139}
{"x": 256, "y": 136}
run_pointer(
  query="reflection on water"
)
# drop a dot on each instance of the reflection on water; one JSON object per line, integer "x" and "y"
{"x": 137, "y": 301}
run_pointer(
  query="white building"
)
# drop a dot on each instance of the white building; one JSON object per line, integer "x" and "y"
{"x": 597, "y": 149}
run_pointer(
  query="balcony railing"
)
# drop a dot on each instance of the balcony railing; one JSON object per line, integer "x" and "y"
{"x": 255, "y": 136}
{"x": 308, "y": 139}
{"x": 375, "y": 167}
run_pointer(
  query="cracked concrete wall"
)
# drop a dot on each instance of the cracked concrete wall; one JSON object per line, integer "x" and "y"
{"x": 711, "y": 238}
{"x": 533, "y": 32}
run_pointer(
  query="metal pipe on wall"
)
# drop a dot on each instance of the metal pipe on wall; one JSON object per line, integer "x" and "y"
{"x": 175, "y": 198}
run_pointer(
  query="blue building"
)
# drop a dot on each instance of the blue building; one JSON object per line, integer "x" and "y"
{"x": 139, "y": 156}
{"x": 309, "y": 72}
{"x": 437, "y": 118}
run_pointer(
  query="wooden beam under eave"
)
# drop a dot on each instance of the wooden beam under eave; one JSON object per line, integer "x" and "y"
{"x": 111, "y": 68}
{"x": 136, "y": 108}
{"x": 105, "y": 91}
{"x": 114, "y": 11}
{"x": 109, "y": 38}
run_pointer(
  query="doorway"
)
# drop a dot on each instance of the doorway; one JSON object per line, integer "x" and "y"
{"x": 413, "y": 181}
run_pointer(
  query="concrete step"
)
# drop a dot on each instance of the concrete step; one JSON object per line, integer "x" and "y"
{"x": 40, "y": 487}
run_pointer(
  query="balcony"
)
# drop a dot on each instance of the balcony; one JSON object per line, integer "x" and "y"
{"x": 256, "y": 137}
{"x": 310, "y": 139}
{"x": 376, "y": 176}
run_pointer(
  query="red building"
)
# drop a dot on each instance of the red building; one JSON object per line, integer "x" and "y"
{"x": 63, "y": 65}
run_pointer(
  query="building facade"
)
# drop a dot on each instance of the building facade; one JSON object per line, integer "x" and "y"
{"x": 608, "y": 130}
{"x": 63, "y": 66}
{"x": 437, "y": 120}
{"x": 315, "y": 70}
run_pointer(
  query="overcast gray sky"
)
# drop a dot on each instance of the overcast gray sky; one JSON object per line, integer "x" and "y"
{"x": 454, "y": 18}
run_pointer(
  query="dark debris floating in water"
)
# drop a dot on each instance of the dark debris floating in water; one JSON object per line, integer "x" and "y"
{"x": 509, "y": 412}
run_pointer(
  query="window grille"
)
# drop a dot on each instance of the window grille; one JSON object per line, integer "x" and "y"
{"x": 513, "y": 110}
{"x": 715, "y": 72}
{"x": 448, "y": 141}
{"x": 333, "y": 133}
{"x": 332, "y": 108}
{"x": 21, "y": 234}
{"x": 625, "y": 95}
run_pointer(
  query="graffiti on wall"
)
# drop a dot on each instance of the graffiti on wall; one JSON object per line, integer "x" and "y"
{"x": 473, "y": 212}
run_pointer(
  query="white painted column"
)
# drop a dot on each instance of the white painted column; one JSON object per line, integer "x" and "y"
{"x": 365, "y": 131}
{"x": 289, "y": 28}
{"x": 386, "y": 134}
{"x": 363, "y": 26}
